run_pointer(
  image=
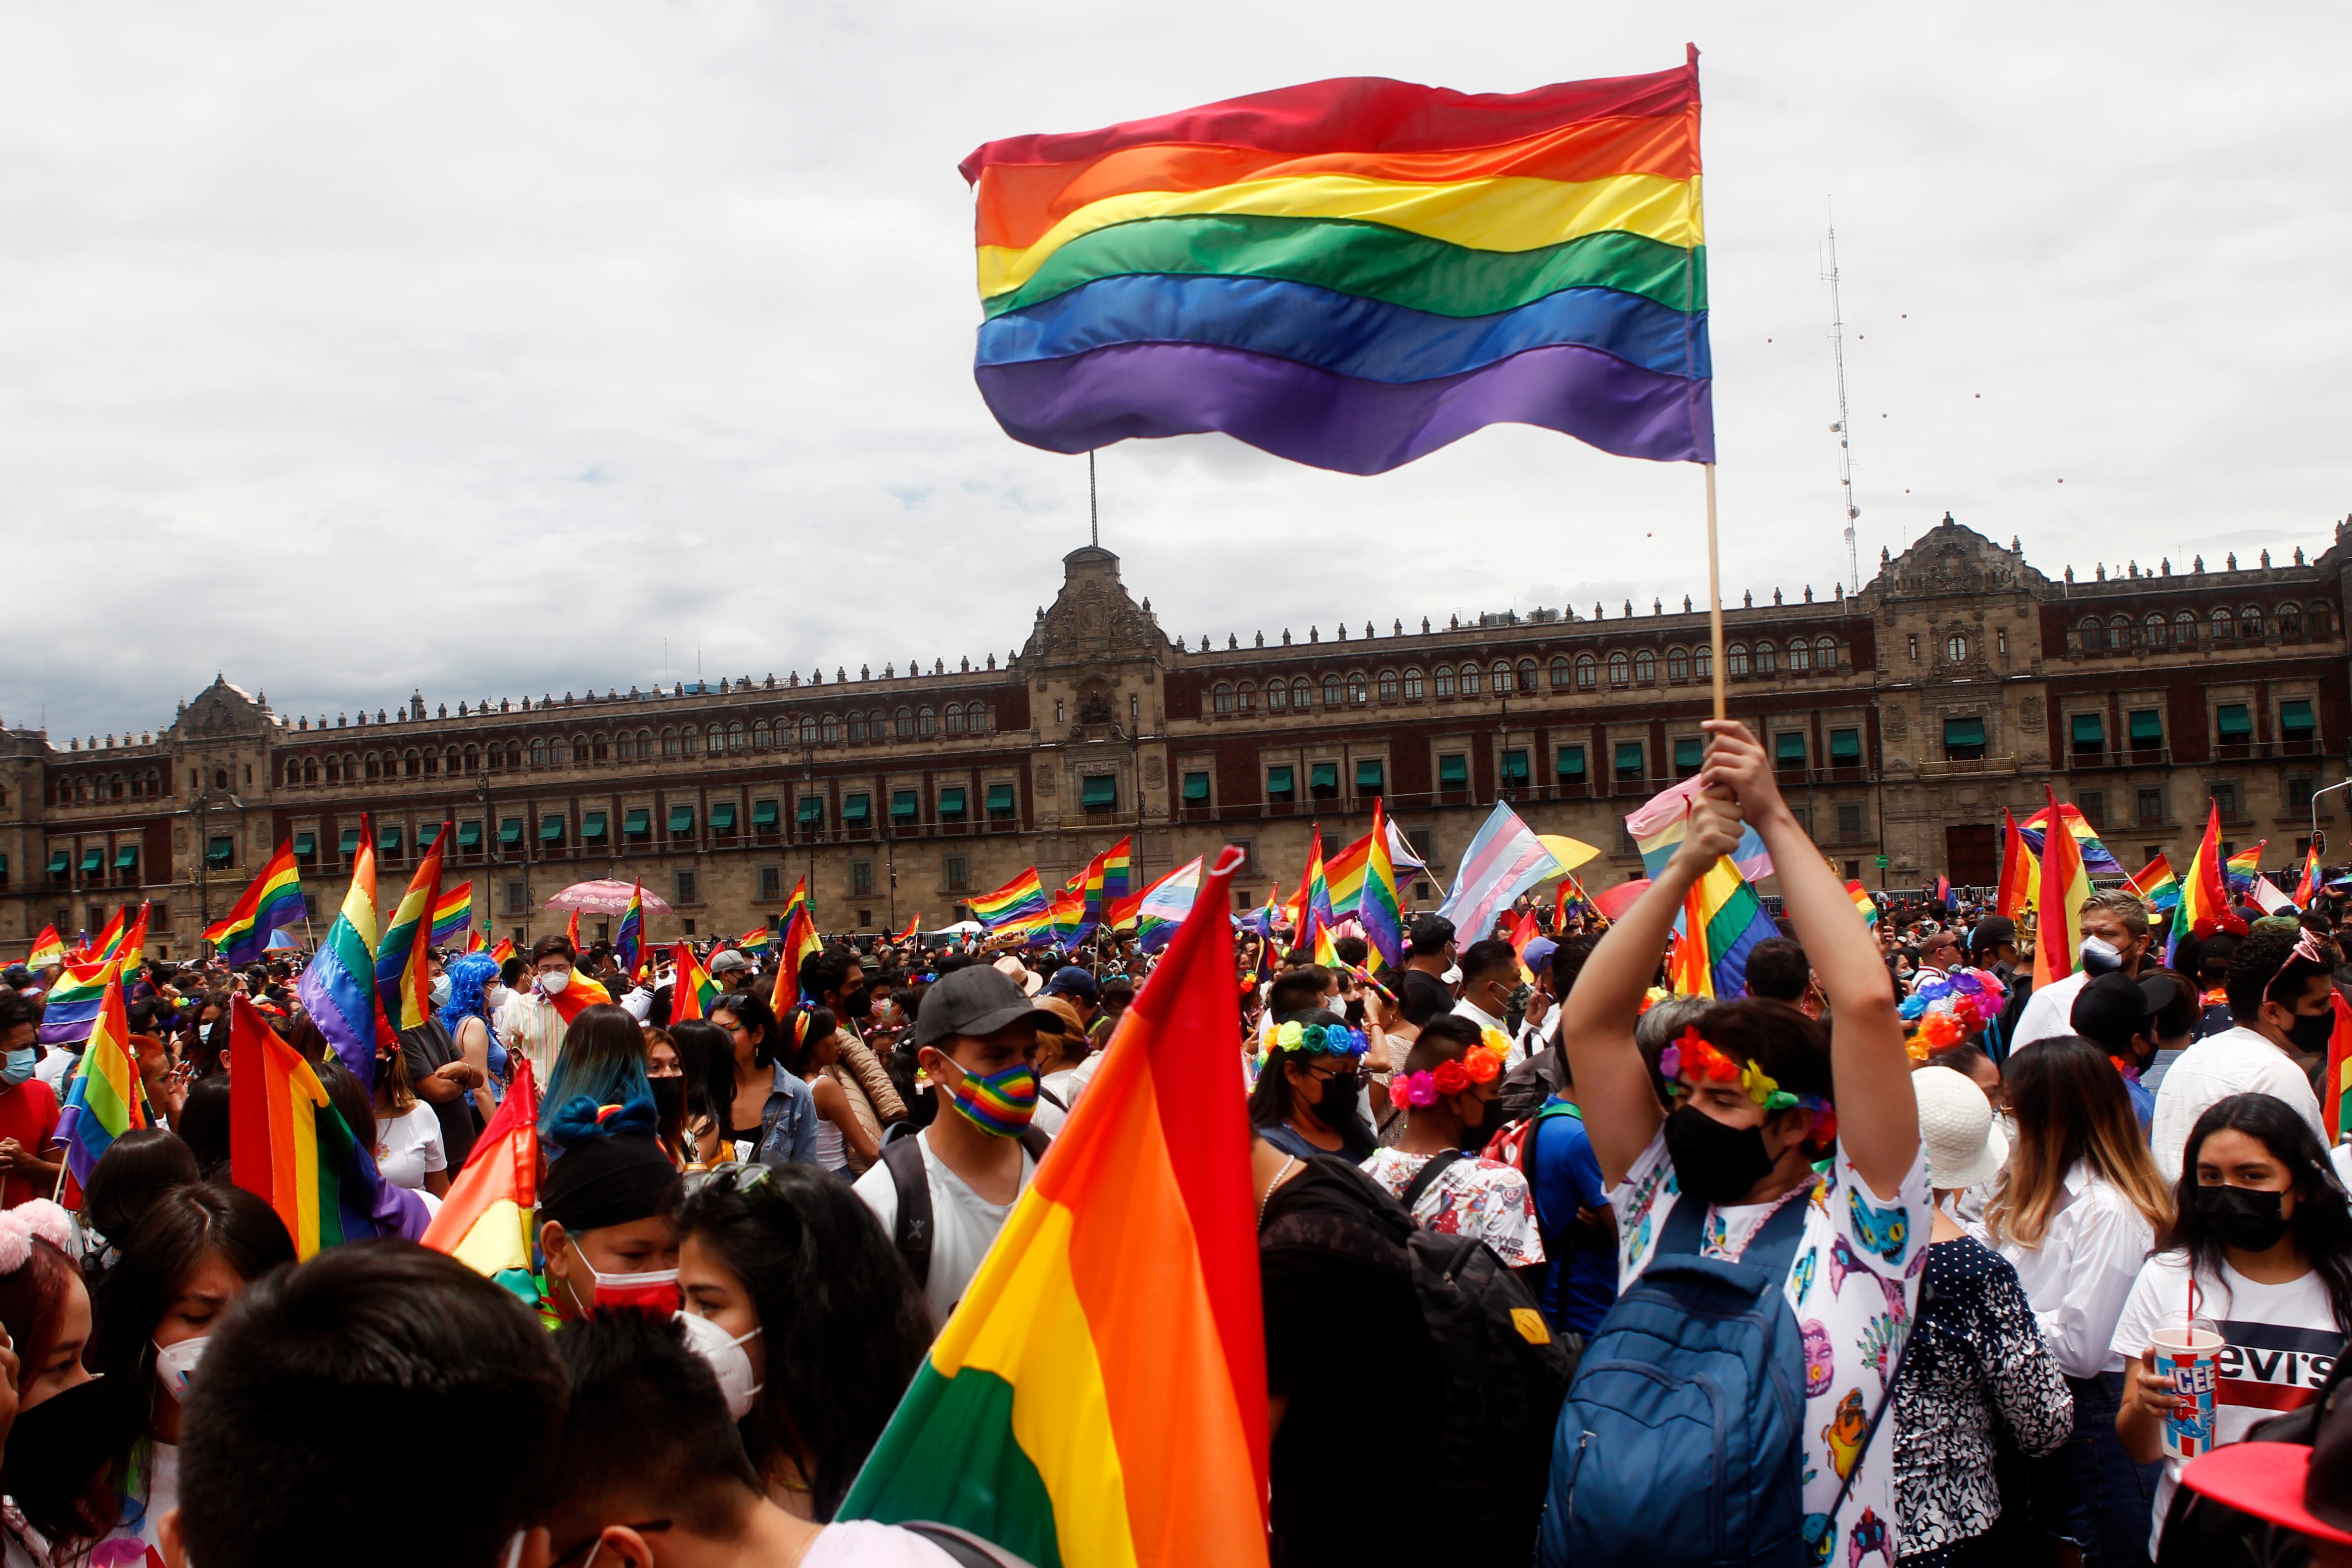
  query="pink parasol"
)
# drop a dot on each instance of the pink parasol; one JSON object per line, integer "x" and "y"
{"x": 604, "y": 896}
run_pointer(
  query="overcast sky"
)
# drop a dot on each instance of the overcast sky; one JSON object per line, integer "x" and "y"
{"x": 494, "y": 348}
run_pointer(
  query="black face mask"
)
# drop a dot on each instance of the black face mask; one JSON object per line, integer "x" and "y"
{"x": 670, "y": 1099}
{"x": 1714, "y": 1163}
{"x": 2310, "y": 1031}
{"x": 2243, "y": 1218}
{"x": 1476, "y": 1133}
{"x": 857, "y": 1003}
{"x": 59, "y": 1445}
{"x": 1337, "y": 1108}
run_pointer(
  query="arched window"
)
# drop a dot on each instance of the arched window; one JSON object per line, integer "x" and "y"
{"x": 559, "y": 752}
{"x": 1469, "y": 680}
{"x": 1588, "y": 672}
{"x": 1247, "y": 696}
{"x": 1677, "y": 665}
{"x": 2225, "y": 626}
{"x": 309, "y": 771}
{"x": 1502, "y": 679}
{"x": 1330, "y": 691}
{"x": 927, "y": 722}
{"x": 690, "y": 741}
{"x": 1220, "y": 698}
{"x": 293, "y": 772}
{"x": 1527, "y": 676}
{"x": 1621, "y": 669}
{"x": 539, "y": 752}
{"x": 1441, "y": 682}
{"x": 1768, "y": 658}
{"x": 1359, "y": 689}
{"x": 1734, "y": 660}
{"x": 1558, "y": 672}
{"x": 1413, "y": 686}
{"x": 1702, "y": 662}
{"x": 1301, "y": 694}
{"x": 762, "y": 737}
{"x": 2184, "y": 629}
{"x": 954, "y": 719}
{"x": 829, "y": 729}
{"x": 1825, "y": 653}
{"x": 1956, "y": 647}
{"x": 600, "y": 747}
{"x": 1277, "y": 697}
{"x": 1645, "y": 667}
{"x": 877, "y": 725}
{"x": 2249, "y": 623}
{"x": 2119, "y": 633}
{"x": 904, "y": 718}
{"x": 2086, "y": 636}
{"x": 2290, "y": 620}
{"x": 1800, "y": 656}
{"x": 1390, "y": 690}
{"x": 472, "y": 759}
{"x": 411, "y": 765}
{"x": 737, "y": 737}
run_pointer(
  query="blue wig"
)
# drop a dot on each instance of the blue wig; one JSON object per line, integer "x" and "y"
{"x": 467, "y": 975}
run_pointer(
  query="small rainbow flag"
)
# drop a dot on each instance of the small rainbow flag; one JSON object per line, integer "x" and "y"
{"x": 1721, "y": 922}
{"x": 1018, "y": 900}
{"x": 484, "y": 1221}
{"x": 572, "y": 931}
{"x": 1863, "y": 904}
{"x": 1343, "y": 873}
{"x": 1311, "y": 908}
{"x": 2243, "y": 867}
{"x": 403, "y": 960}
{"x": 800, "y": 940}
{"x": 1106, "y": 879}
{"x": 692, "y": 991}
{"x": 131, "y": 954}
{"x": 503, "y": 950}
{"x": 2020, "y": 871}
{"x": 2058, "y": 905}
{"x": 1378, "y": 910}
{"x": 2155, "y": 886}
{"x": 454, "y": 913}
{"x": 2204, "y": 895}
{"x": 71, "y": 1009}
{"x": 753, "y": 941}
{"x": 338, "y": 988}
{"x": 287, "y": 1144}
{"x": 103, "y": 1101}
{"x": 111, "y": 938}
{"x": 48, "y": 948}
{"x": 2307, "y": 886}
{"x": 2335, "y": 1085}
{"x": 912, "y": 927}
{"x": 629, "y": 940}
{"x": 271, "y": 902}
{"x": 2096, "y": 859}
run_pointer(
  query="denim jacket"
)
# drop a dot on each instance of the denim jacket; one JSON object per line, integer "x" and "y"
{"x": 788, "y": 1123}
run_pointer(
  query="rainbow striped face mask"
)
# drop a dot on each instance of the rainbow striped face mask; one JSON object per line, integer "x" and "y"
{"x": 1000, "y": 1104}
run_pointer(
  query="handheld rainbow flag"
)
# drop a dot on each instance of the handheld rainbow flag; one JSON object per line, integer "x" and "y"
{"x": 1354, "y": 273}
{"x": 403, "y": 960}
{"x": 1343, "y": 873}
{"x": 1657, "y": 827}
{"x": 289, "y": 1146}
{"x": 1311, "y": 908}
{"x": 2307, "y": 886}
{"x": 799, "y": 896}
{"x": 1108, "y": 876}
{"x": 503, "y": 950}
{"x": 1017, "y": 900}
{"x": 1327, "y": 951}
{"x": 1505, "y": 859}
{"x": 1721, "y": 922}
{"x": 71, "y": 1009}
{"x": 583, "y": 993}
{"x": 48, "y": 948}
{"x": 453, "y": 912}
{"x": 2096, "y": 859}
{"x": 692, "y": 991}
{"x": 629, "y": 940}
{"x": 104, "y": 1100}
{"x": 572, "y": 931}
{"x": 2020, "y": 871}
{"x": 2155, "y": 886}
{"x": 131, "y": 952}
{"x": 1378, "y": 910}
{"x": 800, "y": 940}
{"x": 1157, "y": 911}
{"x": 2335, "y": 1083}
{"x": 1570, "y": 898}
{"x": 109, "y": 940}
{"x": 2204, "y": 896}
{"x": 2243, "y": 867}
{"x": 269, "y": 903}
{"x": 1054, "y": 1417}
{"x": 337, "y": 987}
{"x": 756, "y": 940}
{"x": 1943, "y": 890}
{"x": 484, "y": 1221}
{"x": 913, "y": 926}
{"x": 2058, "y": 905}
{"x": 1863, "y": 904}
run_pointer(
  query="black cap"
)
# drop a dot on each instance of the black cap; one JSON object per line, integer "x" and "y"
{"x": 2110, "y": 1010}
{"x": 977, "y": 1001}
{"x": 1990, "y": 932}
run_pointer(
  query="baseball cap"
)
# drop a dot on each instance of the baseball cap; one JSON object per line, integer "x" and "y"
{"x": 2110, "y": 1010}
{"x": 1072, "y": 981}
{"x": 1990, "y": 932}
{"x": 976, "y": 1000}
{"x": 17, "y": 974}
{"x": 728, "y": 961}
{"x": 1539, "y": 953}
{"x": 2306, "y": 1488}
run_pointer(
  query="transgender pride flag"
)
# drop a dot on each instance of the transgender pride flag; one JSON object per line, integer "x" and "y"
{"x": 1505, "y": 860}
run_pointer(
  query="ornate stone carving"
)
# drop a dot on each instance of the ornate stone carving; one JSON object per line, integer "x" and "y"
{"x": 2030, "y": 716}
{"x": 1154, "y": 773}
{"x": 1895, "y": 723}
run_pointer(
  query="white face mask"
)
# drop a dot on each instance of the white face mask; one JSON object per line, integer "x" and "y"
{"x": 552, "y": 984}
{"x": 175, "y": 1364}
{"x": 441, "y": 992}
{"x": 727, "y": 1359}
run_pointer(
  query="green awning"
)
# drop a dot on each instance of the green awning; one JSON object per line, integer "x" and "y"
{"x": 349, "y": 842}
{"x": 1572, "y": 762}
{"x": 126, "y": 856}
{"x": 1280, "y": 782}
{"x": 637, "y": 824}
{"x": 1964, "y": 732}
{"x": 2088, "y": 730}
{"x": 511, "y": 830}
{"x": 1514, "y": 767}
{"x": 1368, "y": 773}
{"x": 387, "y": 839}
{"x": 1629, "y": 758}
{"x": 856, "y": 808}
{"x": 810, "y": 813}
{"x": 1323, "y": 776}
{"x": 425, "y": 835}
{"x": 1690, "y": 754}
{"x": 1846, "y": 747}
{"x": 763, "y": 813}
{"x": 1453, "y": 771}
{"x": 308, "y": 843}
{"x": 592, "y": 825}
{"x": 469, "y": 836}
{"x": 1099, "y": 790}
{"x": 2146, "y": 728}
{"x": 551, "y": 828}
{"x": 681, "y": 819}
{"x": 999, "y": 799}
{"x": 905, "y": 805}
{"x": 218, "y": 852}
{"x": 722, "y": 816}
{"x": 61, "y": 862}
{"x": 951, "y": 801}
{"x": 2235, "y": 721}
{"x": 1789, "y": 749}
{"x": 93, "y": 860}
{"x": 2295, "y": 720}
{"x": 1196, "y": 789}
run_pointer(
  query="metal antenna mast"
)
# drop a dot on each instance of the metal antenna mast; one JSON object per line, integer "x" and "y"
{"x": 1094, "y": 513}
{"x": 1843, "y": 428}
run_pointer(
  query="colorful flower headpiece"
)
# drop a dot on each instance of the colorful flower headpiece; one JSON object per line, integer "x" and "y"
{"x": 1482, "y": 1063}
{"x": 1948, "y": 1009}
{"x": 1320, "y": 1039}
{"x": 1694, "y": 1055}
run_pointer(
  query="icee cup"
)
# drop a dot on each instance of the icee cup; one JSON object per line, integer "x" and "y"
{"x": 2192, "y": 1358}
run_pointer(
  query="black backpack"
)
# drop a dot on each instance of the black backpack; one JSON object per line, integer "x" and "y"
{"x": 912, "y": 1234}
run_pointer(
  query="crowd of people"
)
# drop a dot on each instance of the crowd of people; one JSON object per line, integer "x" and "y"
{"x": 1870, "y": 1262}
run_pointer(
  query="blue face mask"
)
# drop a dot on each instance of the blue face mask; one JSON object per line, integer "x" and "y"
{"x": 20, "y": 1066}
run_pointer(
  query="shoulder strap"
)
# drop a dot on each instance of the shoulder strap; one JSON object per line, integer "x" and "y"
{"x": 912, "y": 1234}
{"x": 1771, "y": 1248}
{"x": 963, "y": 1548}
{"x": 1036, "y": 1140}
{"x": 1425, "y": 1178}
{"x": 1050, "y": 1097}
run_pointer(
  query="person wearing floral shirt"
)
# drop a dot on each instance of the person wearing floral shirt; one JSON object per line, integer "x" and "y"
{"x": 1447, "y": 1092}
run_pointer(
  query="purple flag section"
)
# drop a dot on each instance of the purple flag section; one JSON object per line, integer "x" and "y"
{"x": 1340, "y": 422}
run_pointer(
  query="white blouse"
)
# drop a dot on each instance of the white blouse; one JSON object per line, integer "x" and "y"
{"x": 2079, "y": 1278}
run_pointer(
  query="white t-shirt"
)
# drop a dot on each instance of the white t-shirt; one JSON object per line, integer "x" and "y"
{"x": 1853, "y": 1288}
{"x": 963, "y": 1223}
{"x": 2049, "y": 1011}
{"x": 862, "y": 1543}
{"x": 408, "y": 1146}
{"x": 2235, "y": 1061}
{"x": 2282, "y": 1341}
{"x": 56, "y": 1067}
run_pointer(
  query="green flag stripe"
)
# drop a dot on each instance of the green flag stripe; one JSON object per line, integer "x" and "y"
{"x": 948, "y": 1457}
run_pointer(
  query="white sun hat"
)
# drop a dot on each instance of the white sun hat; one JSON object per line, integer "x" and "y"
{"x": 1966, "y": 1147}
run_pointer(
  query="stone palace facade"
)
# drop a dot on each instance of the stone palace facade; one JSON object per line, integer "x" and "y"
{"x": 1959, "y": 681}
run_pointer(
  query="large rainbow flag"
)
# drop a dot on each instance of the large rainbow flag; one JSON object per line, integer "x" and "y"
{"x": 1017, "y": 899}
{"x": 1354, "y": 273}
{"x": 2241, "y": 868}
{"x": 692, "y": 991}
{"x": 2058, "y": 900}
{"x": 484, "y": 1221}
{"x": 1311, "y": 909}
{"x": 2156, "y": 885}
{"x": 337, "y": 987}
{"x": 290, "y": 1145}
{"x": 2307, "y": 886}
{"x": 1722, "y": 921}
{"x": 629, "y": 938}
{"x": 1378, "y": 910}
{"x": 2204, "y": 896}
{"x": 71, "y": 1009}
{"x": 104, "y": 1100}
{"x": 403, "y": 960}
{"x": 2096, "y": 858}
{"x": 270, "y": 901}
{"x": 2335, "y": 1085}
{"x": 799, "y": 940}
{"x": 1097, "y": 1399}
{"x": 453, "y": 912}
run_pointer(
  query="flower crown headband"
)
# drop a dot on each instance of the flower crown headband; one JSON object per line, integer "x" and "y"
{"x": 1482, "y": 1063}
{"x": 1319, "y": 1039}
{"x": 1694, "y": 1055}
{"x": 1948, "y": 1009}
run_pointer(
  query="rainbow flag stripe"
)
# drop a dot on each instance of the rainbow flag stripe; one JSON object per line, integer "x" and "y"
{"x": 1107, "y": 877}
{"x": 2307, "y": 886}
{"x": 1863, "y": 904}
{"x": 2096, "y": 858}
{"x": 404, "y": 962}
{"x": 48, "y": 948}
{"x": 485, "y": 1222}
{"x": 288, "y": 1146}
{"x": 103, "y": 1101}
{"x": 1722, "y": 922}
{"x": 2157, "y": 887}
{"x": 1378, "y": 910}
{"x": 2241, "y": 868}
{"x": 753, "y": 941}
{"x": 271, "y": 902}
{"x": 692, "y": 991}
{"x": 629, "y": 938}
{"x": 800, "y": 940}
{"x": 2204, "y": 896}
{"x": 453, "y": 912}
{"x": 2059, "y": 896}
{"x": 338, "y": 988}
{"x": 1354, "y": 273}
{"x": 1022, "y": 897}
{"x": 1311, "y": 908}
{"x": 2021, "y": 872}
{"x": 71, "y": 1009}
{"x": 1099, "y": 1395}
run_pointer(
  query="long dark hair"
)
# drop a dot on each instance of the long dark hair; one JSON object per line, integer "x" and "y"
{"x": 756, "y": 1018}
{"x": 708, "y": 1058}
{"x": 2322, "y": 1222}
{"x": 136, "y": 1170}
{"x": 843, "y": 1325}
{"x": 603, "y": 1056}
{"x": 1271, "y": 1101}
{"x": 801, "y": 1028}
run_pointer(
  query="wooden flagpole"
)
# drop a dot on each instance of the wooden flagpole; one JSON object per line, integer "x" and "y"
{"x": 1713, "y": 593}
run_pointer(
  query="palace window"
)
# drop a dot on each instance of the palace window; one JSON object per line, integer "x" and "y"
{"x": 1645, "y": 667}
{"x": 1413, "y": 686}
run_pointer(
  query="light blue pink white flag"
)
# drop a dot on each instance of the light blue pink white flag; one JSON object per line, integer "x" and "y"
{"x": 1657, "y": 827}
{"x": 1505, "y": 860}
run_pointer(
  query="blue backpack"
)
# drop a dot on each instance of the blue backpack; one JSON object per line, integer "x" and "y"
{"x": 1679, "y": 1440}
